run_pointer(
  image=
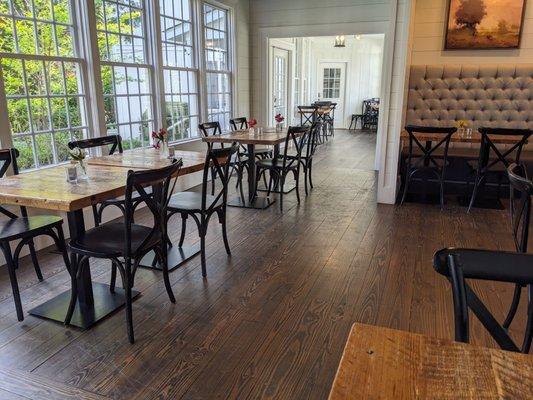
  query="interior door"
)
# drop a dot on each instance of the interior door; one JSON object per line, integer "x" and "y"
{"x": 280, "y": 82}
{"x": 332, "y": 85}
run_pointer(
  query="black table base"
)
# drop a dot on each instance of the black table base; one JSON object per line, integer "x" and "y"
{"x": 105, "y": 303}
{"x": 259, "y": 203}
{"x": 176, "y": 257}
{"x": 287, "y": 188}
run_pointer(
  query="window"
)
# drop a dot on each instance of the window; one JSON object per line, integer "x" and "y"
{"x": 217, "y": 65}
{"x": 43, "y": 79}
{"x": 181, "y": 113}
{"x": 125, "y": 70}
{"x": 63, "y": 81}
{"x": 332, "y": 83}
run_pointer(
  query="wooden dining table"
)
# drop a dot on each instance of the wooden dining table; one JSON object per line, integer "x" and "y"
{"x": 383, "y": 363}
{"x": 48, "y": 189}
{"x": 268, "y": 137}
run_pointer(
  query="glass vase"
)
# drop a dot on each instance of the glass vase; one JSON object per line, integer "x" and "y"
{"x": 164, "y": 149}
{"x": 279, "y": 127}
{"x": 82, "y": 171}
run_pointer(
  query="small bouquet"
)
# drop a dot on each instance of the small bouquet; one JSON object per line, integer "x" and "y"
{"x": 462, "y": 124}
{"x": 160, "y": 137}
{"x": 252, "y": 123}
{"x": 279, "y": 118}
{"x": 79, "y": 155}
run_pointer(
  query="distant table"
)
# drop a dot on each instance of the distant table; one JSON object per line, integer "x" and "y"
{"x": 269, "y": 137}
{"x": 383, "y": 363}
{"x": 48, "y": 189}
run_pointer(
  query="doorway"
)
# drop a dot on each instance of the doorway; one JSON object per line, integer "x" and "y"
{"x": 280, "y": 82}
{"x": 332, "y": 85}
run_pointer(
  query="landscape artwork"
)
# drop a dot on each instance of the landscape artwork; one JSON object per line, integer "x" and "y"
{"x": 484, "y": 24}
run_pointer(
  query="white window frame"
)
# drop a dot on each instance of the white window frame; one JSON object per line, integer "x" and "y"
{"x": 86, "y": 47}
{"x": 6, "y": 135}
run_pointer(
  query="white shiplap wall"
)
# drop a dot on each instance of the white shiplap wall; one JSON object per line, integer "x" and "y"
{"x": 284, "y": 18}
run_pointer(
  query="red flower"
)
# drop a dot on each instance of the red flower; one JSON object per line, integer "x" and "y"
{"x": 252, "y": 123}
{"x": 279, "y": 118}
{"x": 154, "y": 135}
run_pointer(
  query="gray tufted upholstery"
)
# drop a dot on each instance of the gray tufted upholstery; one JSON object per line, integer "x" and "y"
{"x": 499, "y": 96}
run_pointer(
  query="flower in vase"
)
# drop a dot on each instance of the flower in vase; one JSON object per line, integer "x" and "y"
{"x": 252, "y": 123}
{"x": 158, "y": 137}
{"x": 279, "y": 118}
{"x": 77, "y": 154}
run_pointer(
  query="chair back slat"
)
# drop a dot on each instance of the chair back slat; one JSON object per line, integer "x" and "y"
{"x": 308, "y": 114}
{"x": 443, "y": 136}
{"x": 296, "y": 137}
{"x": 114, "y": 141}
{"x": 162, "y": 181}
{"x": 211, "y": 129}
{"x": 521, "y": 190}
{"x": 8, "y": 158}
{"x": 220, "y": 161}
{"x": 504, "y": 156}
{"x": 238, "y": 123}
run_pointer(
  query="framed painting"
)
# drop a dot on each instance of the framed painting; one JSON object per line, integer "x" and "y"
{"x": 484, "y": 24}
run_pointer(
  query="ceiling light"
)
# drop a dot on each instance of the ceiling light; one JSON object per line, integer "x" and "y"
{"x": 340, "y": 41}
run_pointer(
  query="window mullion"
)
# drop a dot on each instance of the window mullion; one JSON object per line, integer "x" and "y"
{"x": 200, "y": 53}
{"x": 6, "y": 140}
{"x": 87, "y": 20}
{"x": 154, "y": 34}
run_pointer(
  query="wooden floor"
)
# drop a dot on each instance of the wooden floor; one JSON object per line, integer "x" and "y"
{"x": 272, "y": 320}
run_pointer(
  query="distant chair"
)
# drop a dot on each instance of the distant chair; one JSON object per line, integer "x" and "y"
{"x": 503, "y": 158}
{"x": 242, "y": 124}
{"x": 201, "y": 206}
{"x": 458, "y": 264}
{"x": 237, "y": 164}
{"x": 425, "y": 159}
{"x": 287, "y": 163}
{"x": 24, "y": 229}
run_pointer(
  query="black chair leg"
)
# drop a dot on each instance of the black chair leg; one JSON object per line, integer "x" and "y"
{"x": 34, "y": 260}
{"x": 406, "y": 186}
{"x": 281, "y": 185}
{"x": 202, "y": 253}
{"x": 474, "y": 192}
{"x": 297, "y": 179}
{"x": 213, "y": 177}
{"x": 310, "y": 173}
{"x": 129, "y": 315}
{"x": 96, "y": 216}
{"x": 239, "y": 177}
{"x": 113, "y": 281}
{"x": 183, "y": 229}
{"x": 526, "y": 345}
{"x": 74, "y": 264}
{"x": 13, "y": 279}
{"x": 514, "y": 306}
{"x": 166, "y": 279}
{"x": 222, "y": 220}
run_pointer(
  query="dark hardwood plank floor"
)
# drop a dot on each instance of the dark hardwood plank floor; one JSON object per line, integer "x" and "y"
{"x": 270, "y": 321}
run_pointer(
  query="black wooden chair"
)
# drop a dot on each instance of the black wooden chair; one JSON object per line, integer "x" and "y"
{"x": 497, "y": 166}
{"x": 240, "y": 124}
{"x": 125, "y": 243}
{"x": 201, "y": 206}
{"x": 114, "y": 143}
{"x": 25, "y": 229}
{"x": 425, "y": 160}
{"x": 458, "y": 264}
{"x": 308, "y": 115}
{"x": 289, "y": 162}
{"x": 308, "y": 152}
{"x": 238, "y": 163}
{"x": 328, "y": 119}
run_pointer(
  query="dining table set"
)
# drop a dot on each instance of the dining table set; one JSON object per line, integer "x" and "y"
{"x": 106, "y": 179}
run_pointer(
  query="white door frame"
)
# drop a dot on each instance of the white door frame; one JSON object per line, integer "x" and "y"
{"x": 395, "y": 53}
{"x": 291, "y": 48}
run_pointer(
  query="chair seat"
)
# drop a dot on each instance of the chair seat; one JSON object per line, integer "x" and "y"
{"x": 274, "y": 163}
{"x": 108, "y": 240}
{"x": 17, "y": 228}
{"x": 505, "y": 266}
{"x": 192, "y": 202}
{"x": 257, "y": 152}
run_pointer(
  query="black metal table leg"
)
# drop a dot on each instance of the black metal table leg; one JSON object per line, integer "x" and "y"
{"x": 252, "y": 201}
{"x": 95, "y": 300}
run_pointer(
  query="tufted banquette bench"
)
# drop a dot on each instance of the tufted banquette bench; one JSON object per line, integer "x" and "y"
{"x": 498, "y": 96}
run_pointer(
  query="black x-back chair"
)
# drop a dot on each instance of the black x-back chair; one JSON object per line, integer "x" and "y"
{"x": 308, "y": 115}
{"x": 238, "y": 163}
{"x": 126, "y": 243}
{"x": 308, "y": 152}
{"x": 240, "y": 124}
{"x": 501, "y": 159}
{"x": 114, "y": 143}
{"x": 202, "y": 206}
{"x": 289, "y": 161}
{"x": 426, "y": 159}
{"x": 458, "y": 264}
{"x": 25, "y": 229}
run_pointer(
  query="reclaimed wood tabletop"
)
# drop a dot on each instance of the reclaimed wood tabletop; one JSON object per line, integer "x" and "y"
{"x": 383, "y": 363}
{"x": 269, "y": 136}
